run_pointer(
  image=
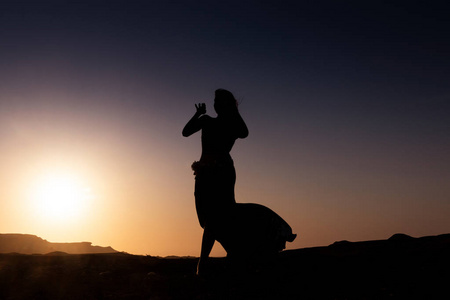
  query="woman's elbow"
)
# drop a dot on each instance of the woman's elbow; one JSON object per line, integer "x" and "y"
{"x": 243, "y": 135}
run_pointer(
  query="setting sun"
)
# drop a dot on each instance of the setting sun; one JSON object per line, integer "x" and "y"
{"x": 60, "y": 197}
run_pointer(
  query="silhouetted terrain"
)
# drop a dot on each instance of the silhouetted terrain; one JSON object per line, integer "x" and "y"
{"x": 31, "y": 244}
{"x": 401, "y": 267}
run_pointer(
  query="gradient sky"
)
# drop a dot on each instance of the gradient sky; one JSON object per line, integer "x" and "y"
{"x": 347, "y": 105}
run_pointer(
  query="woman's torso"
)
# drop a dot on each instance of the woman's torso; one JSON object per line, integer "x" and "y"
{"x": 217, "y": 141}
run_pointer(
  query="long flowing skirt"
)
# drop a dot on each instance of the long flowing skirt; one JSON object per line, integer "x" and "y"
{"x": 254, "y": 230}
{"x": 214, "y": 195}
{"x": 243, "y": 229}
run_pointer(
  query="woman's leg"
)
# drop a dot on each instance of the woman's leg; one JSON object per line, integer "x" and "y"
{"x": 207, "y": 245}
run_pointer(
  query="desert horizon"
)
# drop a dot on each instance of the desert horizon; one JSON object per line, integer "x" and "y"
{"x": 400, "y": 267}
{"x": 20, "y": 243}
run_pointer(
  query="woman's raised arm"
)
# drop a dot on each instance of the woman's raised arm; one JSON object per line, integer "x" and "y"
{"x": 194, "y": 123}
{"x": 238, "y": 124}
{"x": 241, "y": 127}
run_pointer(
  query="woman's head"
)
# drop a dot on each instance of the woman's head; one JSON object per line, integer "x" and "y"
{"x": 224, "y": 102}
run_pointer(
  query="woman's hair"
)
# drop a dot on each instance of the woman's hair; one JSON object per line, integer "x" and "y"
{"x": 225, "y": 102}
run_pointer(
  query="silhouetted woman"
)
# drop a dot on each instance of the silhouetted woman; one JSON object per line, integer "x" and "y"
{"x": 215, "y": 174}
{"x": 245, "y": 230}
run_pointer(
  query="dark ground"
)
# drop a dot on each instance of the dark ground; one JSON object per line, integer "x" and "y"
{"x": 398, "y": 268}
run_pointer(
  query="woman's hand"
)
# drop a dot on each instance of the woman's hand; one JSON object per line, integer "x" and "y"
{"x": 194, "y": 123}
{"x": 201, "y": 108}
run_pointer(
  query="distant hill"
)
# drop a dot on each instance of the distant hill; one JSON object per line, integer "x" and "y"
{"x": 31, "y": 244}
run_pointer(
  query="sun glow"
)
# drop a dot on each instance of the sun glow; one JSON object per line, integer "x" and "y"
{"x": 61, "y": 198}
